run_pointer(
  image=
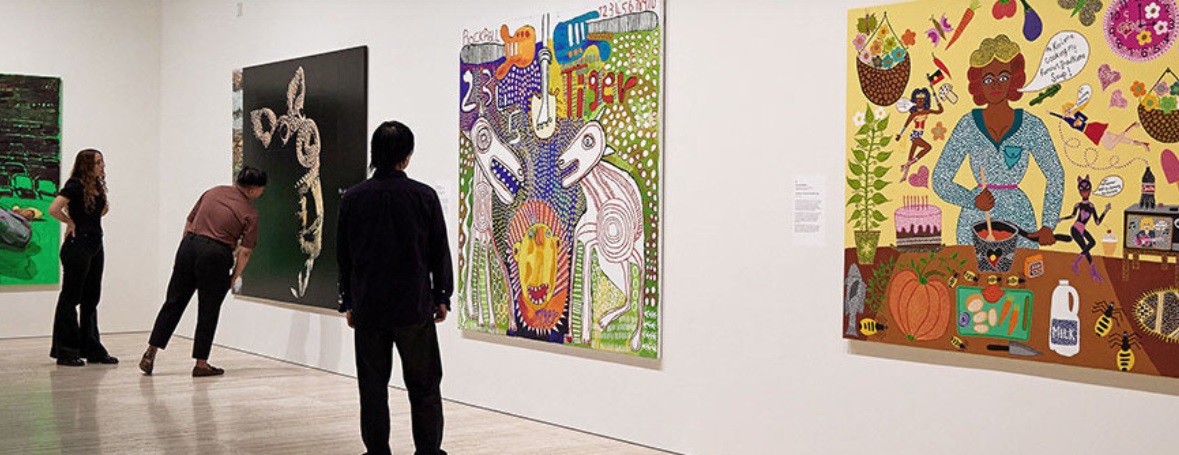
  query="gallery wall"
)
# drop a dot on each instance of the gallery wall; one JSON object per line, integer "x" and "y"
{"x": 107, "y": 54}
{"x": 752, "y": 360}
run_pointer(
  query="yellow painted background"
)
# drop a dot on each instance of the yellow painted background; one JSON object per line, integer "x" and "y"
{"x": 917, "y": 16}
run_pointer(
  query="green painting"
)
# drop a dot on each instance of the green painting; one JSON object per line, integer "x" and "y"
{"x": 30, "y": 160}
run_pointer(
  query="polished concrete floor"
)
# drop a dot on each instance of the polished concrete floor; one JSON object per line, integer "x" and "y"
{"x": 261, "y": 406}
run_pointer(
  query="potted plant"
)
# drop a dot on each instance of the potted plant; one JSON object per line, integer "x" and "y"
{"x": 867, "y": 180}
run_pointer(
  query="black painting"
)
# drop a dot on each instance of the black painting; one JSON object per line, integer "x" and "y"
{"x": 305, "y": 124}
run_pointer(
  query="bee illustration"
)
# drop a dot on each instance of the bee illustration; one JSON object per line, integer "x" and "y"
{"x": 953, "y": 281}
{"x": 870, "y": 327}
{"x": 993, "y": 279}
{"x": 958, "y": 343}
{"x": 1106, "y": 320}
{"x": 1015, "y": 280}
{"x": 970, "y": 276}
{"x": 1125, "y": 357}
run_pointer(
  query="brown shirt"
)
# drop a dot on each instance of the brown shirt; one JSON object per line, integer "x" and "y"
{"x": 225, "y": 214}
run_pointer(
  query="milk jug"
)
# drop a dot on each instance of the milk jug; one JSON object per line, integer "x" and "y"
{"x": 1064, "y": 333}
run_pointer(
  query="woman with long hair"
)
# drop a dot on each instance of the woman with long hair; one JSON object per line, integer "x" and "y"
{"x": 81, "y": 204}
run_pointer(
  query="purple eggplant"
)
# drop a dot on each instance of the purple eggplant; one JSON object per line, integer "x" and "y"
{"x": 1032, "y": 25}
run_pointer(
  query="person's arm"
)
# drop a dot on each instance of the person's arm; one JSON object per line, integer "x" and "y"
{"x": 106, "y": 207}
{"x": 58, "y": 210}
{"x": 344, "y": 261}
{"x": 192, "y": 215}
{"x": 1101, "y": 217}
{"x": 441, "y": 273}
{"x": 239, "y": 263}
{"x": 906, "y": 126}
{"x": 1076, "y": 208}
{"x": 951, "y": 159}
{"x": 1046, "y": 157}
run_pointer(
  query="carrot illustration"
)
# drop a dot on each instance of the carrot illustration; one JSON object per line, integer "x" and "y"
{"x": 1006, "y": 309}
{"x": 966, "y": 18}
{"x": 1014, "y": 316}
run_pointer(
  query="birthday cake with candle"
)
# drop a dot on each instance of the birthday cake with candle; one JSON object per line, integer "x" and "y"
{"x": 919, "y": 225}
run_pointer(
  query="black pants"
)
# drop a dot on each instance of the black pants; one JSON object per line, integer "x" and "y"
{"x": 203, "y": 267}
{"x": 421, "y": 366}
{"x": 82, "y": 261}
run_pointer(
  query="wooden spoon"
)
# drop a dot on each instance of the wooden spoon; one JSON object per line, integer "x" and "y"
{"x": 990, "y": 231}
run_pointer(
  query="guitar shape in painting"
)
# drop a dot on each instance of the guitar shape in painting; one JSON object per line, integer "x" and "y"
{"x": 574, "y": 37}
{"x": 519, "y": 49}
{"x": 544, "y": 104}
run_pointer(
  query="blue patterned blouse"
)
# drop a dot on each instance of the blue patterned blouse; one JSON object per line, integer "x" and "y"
{"x": 1006, "y": 163}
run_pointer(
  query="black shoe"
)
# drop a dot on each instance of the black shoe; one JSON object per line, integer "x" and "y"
{"x": 71, "y": 362}
{"x": 107, "y": 360}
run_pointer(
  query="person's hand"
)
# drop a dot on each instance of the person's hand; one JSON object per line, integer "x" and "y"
{"x": 348, "y": 317}
{"x": 985, "y": 200}
{"x": 235, "y": 284}
{"x": 439, "y": 313}
{"x": 1108, "y": 206}
{"x": 69, "y": 232}
{"x": 1044, "y": 236}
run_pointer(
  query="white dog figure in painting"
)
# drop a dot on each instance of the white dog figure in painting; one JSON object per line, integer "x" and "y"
{"x": 494, "y": 164}
{"x": 611, "y": 227}
{"x": 309, "y": 187}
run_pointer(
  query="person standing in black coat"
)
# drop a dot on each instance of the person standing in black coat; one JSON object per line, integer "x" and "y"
{"x": 395, "y": 285}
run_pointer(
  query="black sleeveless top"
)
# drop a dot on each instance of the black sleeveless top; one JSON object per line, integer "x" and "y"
{"x": 85, "y": 221}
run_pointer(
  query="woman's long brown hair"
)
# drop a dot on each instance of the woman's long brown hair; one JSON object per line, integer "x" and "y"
{"x": 93, "y": 185}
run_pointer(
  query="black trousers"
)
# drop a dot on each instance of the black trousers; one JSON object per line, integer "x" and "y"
{"x": 82, "y": 260}
{"x": 203, "y": 266}
{"x": 421, "y": 367}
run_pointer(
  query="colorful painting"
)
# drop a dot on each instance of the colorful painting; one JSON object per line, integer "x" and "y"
{"x": 30, "y": 170}
{"x": 1004, "y": 180}
{"x": 560, "y": 143}
{"x": 305, "y": 123}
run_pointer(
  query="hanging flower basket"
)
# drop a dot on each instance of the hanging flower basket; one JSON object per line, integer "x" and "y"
{"x": 883, "y": 65}
{"x": 1157, "y": 108}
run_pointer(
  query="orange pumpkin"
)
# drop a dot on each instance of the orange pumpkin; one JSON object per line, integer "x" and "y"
{"x": 920, "y": 307}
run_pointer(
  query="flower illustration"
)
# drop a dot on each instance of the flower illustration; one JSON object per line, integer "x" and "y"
{"x": 1138, "y": 89}
{"x": 887, "y": 62}
{"x": 939, "y": 131}
{"x": 1145, "y": 37}
{"x": 866, "y": 56}
{"x": 909, "y": 38}
{"x": 898, "y": 54}
{"x": 878, "y": 46}
{"x": 1150, "y": 102}
{"x": 877, "y": 62}
{"x": 859, "y": 119}
{"x": 860, "y": 41}
{"x": 1152, "y": 10}
{"x": 1175, "y": 89}
{"x": 890, "y": 42}
{"x": 1167, "y": 104}
{"x": 1162, "y": 89}
{"x": 879, "y": 113}
{"x": 884, "y": 31}
{"x": 1161, "y": 27}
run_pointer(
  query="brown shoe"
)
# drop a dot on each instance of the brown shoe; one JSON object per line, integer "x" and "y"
{"x": 147, "y": 363}
{"x": 198, "y": 372}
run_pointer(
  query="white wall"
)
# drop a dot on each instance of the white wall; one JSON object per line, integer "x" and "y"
{"x": 753, "y": 360}
{"x": 107, "y": 54}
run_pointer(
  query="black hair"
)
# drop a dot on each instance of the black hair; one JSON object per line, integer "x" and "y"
{"x": 928, "y": 101}
{"x": 392, "y": 143}
{"x": 251, "y": 176}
